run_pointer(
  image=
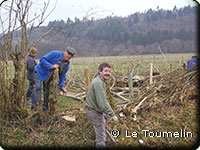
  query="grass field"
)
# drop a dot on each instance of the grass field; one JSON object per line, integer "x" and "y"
{"x": 42, "y": 130}
{"x": 140, "y": 63}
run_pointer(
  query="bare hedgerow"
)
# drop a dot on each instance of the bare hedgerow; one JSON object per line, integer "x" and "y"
{"x": 13, "y": 54}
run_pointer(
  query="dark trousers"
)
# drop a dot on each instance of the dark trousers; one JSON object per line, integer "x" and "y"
{"x": 29, "y": 93}
{"x": 37, "y": 90}
{"x": 34, "y": 90}
{"x": 46, "y": 86}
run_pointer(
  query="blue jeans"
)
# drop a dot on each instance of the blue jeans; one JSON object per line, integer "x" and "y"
{"x": 37, "y": 90}
{"x": 30, "y": 92}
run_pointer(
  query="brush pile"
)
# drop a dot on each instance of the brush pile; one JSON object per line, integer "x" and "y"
{"x": 172, "y": 88}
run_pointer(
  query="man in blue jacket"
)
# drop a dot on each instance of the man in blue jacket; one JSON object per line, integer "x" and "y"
{"x": 54, "y": 60}
{"x": 192, "y": 63}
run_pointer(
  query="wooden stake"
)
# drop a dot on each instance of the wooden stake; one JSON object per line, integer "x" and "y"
{"x": 87, "y": 80}
{"x": 53, "y": 90}
{"x": 130, "y": 83}
{"x": 110, "y": 100}
{"x": 151, "y": 74}
{"x": 170, "y": 69}
{"x": 184, "y": 68}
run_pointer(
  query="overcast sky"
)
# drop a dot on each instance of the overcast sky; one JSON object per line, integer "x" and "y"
{"x": 102, "y": 8}
{"x": 97, "y": 8}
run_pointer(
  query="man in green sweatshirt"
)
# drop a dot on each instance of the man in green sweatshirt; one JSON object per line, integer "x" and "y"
{"x": 97, "y": 104}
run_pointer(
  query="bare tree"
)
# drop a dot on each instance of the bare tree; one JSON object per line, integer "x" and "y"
{"x": 12, "y": 88}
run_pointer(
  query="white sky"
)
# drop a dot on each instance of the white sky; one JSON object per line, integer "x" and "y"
{"x": 97, "y": 8}
{"x": 102, "y": 8}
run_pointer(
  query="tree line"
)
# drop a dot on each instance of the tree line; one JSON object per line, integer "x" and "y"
{"x": 139, "y": 33}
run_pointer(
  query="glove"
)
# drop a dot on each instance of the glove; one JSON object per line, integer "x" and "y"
{"x": 114, "y": 118}
{"x": 64, "y": 90}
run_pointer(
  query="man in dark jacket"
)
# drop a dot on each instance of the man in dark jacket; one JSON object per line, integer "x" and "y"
{"x": 33, "y": 86}
{"x": 54, "y": 60}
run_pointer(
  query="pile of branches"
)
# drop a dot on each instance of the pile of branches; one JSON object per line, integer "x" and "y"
{"x": 171, "y": 88}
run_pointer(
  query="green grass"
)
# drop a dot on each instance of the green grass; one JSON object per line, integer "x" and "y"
{"x": 140, "y": 64}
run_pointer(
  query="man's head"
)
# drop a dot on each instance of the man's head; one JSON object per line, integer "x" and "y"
{"x": 33, "y": 51}
{"x": 195, "y": 56}
{"x": 69, "y": 53}
{"x": 104, "y": 70}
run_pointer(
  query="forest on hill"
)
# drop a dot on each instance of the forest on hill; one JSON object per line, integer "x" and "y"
{"x": 174, "y": 31}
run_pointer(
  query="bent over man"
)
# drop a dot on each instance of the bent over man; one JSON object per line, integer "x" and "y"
{"x": 97, "y": 104}
{"x": 54, "y": 60}
{"x": 193, "y": 63}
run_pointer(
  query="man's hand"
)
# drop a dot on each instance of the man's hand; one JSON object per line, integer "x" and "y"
{"x": 56, "y": 66}
{"x": 64, "y": 90}
{"x": 114, "y": 118}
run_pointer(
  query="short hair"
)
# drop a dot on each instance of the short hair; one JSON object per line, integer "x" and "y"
{"x": 195, "y": 56}
{"x": 32, "y": 50}
{"x": 103, "y": 65}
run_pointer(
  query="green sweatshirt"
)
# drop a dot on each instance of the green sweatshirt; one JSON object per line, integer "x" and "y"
{"x": 96, "y": 97}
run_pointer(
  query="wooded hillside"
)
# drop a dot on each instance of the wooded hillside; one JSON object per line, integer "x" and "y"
{"x": 140, "y": 33}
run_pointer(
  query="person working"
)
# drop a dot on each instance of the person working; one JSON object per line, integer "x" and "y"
{"x": 54, "y": 60}
{"x": 192, "y": 63}
{"x": 34, "y": 89}
{"x": 97, "y": 104}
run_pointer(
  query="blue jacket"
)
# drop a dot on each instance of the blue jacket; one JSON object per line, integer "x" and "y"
{"x": 43, "y": 68}
{"x": 191, "y": 63}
